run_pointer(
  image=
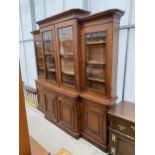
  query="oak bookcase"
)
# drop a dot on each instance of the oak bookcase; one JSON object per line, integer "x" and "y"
{"x": 77, "y": 54}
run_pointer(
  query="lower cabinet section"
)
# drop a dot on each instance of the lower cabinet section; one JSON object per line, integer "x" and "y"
{"x": 94, "y": 123}
{"x": 77, "y": 116}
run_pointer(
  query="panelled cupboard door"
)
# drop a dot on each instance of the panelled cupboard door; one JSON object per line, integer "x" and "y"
{"x": 94, "y": 121}
{"x": 41, "y": 98}
{"x": 96, "y": 46}
{"x": 68, "y": 114}
{"x": 51, "y": 106}
{"x": 120, "y": 145}
{"x": 49, "y": 50}
{"x": 67, "y": 48}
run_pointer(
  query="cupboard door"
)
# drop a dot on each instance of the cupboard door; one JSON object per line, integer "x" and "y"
{"x": 41, "y": 99}
{"x": 94, "y": 121}
{"x": 119, "y": 145}
{"x": 51, "y": 106}
{"x": 67, "y": 53}
{"x": 49, "y": 54}
{"x": 68, "y": 112}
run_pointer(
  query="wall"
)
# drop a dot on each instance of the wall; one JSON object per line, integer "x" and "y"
{"x": 34, "y": 10}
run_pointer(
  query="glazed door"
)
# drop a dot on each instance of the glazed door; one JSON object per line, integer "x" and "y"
{"x": 39, "y": 55}
{"x": 94, "y": 57}
{"x": 49, "y": 53}
{"x": 66, "y": 34}
{"x": 51, "y": 106}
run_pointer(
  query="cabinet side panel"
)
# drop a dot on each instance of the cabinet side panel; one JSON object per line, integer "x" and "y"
{"x": 114, "y": 58}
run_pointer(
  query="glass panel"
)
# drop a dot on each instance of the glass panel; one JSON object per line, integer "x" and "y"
{"x": 66, "y": 55}
{"x": 39, "y": 56}
{"x": 95, "y": 60}
{"x": 49, "y": 55}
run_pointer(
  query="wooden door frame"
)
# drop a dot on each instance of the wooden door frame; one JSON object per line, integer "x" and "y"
{"x": 108, "y": 68}
{"x": 46, "y": 29}
{"x": 74, "y": 24}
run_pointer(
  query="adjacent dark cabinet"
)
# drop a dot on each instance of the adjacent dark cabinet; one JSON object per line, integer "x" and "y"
{"x": 77, "y": 54}
{"x": 122, "y": 129}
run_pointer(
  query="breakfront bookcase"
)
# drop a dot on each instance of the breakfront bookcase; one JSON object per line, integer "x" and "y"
{"x": 77, "y": 54}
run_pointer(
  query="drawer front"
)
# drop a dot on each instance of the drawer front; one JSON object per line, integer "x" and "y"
{"x": 119, "y": 145}
{"x": 122, "y": 126}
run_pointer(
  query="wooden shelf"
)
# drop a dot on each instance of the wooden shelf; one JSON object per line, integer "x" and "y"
{"x": 67, "y": 55}
{"x": 68, "y": 72}
{"x": 41, "y": 68}
{"x": 96, "y": 79}
{"x": 95, "y": 42}
{"x": 52, "y": 54}
{"x": 40, "y": 56}
{"x": 96, "y": 62}
{"x": 51, "y": 70}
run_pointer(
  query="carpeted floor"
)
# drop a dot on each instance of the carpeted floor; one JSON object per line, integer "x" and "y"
{"x": 53, "y": 138}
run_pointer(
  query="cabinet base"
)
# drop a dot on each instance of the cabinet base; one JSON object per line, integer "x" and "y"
{"x": 70, "y": 132}
{"x": 104, "y": 148}
{"x": 41, "y": 109}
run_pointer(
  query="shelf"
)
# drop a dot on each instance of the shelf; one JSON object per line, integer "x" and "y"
{"x": 68, "y": 72}
{"x": 49, "y": 53}
{"x": 40, "y": 56}
{"x": 95, "y": 42}
{"x": 40, "y": 68}
{"x": 67, "y": 55}
{"x": 96, "y": 62}
{"x": 51, "y": 70}
{"x": 96, "y": 79}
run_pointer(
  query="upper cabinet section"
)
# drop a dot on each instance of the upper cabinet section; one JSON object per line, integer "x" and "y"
{"x": 79, "y": 51}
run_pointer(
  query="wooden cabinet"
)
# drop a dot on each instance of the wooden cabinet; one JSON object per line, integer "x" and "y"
{"x": 77, "y": 54}
{"x": 122, "y": 129}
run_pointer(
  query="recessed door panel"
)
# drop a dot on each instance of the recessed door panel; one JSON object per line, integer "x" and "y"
{"x": 94, "y": 121}
{"x": 51, "y": 106}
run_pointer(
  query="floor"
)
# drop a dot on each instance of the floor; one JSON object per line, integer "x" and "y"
{"x": 53, "y": 138}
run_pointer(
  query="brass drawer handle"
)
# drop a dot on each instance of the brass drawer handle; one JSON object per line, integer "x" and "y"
{"x": 113, "y": 150}
{"x": 121, "y": 127}
{"x": 113, "y": 138}
{"x": 133, "y": 128}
